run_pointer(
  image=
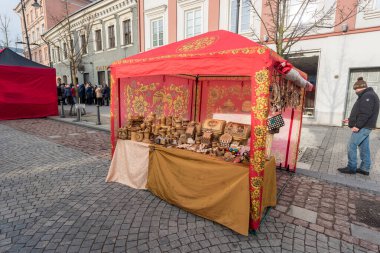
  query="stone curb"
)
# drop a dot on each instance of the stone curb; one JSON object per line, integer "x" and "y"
{"x": 368, "y": 186}
{"x": 105, "y": 128}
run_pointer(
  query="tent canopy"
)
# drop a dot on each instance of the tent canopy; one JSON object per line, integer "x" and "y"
{"x": 27, "y": 88}
{"x": 213, "y": 53}
{"x": 10, "y": 58}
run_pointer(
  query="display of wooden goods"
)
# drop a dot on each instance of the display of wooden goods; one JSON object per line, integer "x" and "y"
{"x": 239, "y": 132}
{"x": 213, "y": 137}
{"x": 216, "y": 126}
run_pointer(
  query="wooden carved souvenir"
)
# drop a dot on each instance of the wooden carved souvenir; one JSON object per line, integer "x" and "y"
{"x": 225, "y": 140}
{"x": 216, "y": 126}
{"x": 182, "y": 139}
{"x": 133, "y": 136}
{"x": 177, "y": 122}
{"x": 207, "y": 138}
{"x": 181, "y": 130}
{"x": 239, "y": 132}
{"x": 146, "y": 136}
{"x": 198, "y": 129}
{"x": 139, "y": 136}
{"x": 190, "y": 131}
{"x": 185, "y": 122}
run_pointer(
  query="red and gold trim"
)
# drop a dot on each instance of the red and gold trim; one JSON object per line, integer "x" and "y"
{"x": 259, "y": 114}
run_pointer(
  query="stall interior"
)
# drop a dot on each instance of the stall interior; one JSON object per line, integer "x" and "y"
{"x": 209, "y": 115}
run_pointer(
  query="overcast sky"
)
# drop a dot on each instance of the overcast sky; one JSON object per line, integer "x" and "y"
{"x": 6, "y": 8}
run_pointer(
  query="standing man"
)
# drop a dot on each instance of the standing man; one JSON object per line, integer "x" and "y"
{"x": 362, "y": 120}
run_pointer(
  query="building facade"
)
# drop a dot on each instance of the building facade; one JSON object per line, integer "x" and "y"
{"x": 332, "y": 57}
{"x": 112, "y": 35}
{"x": 39, "y": 20}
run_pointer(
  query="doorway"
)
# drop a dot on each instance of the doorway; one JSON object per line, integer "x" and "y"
{"x": 101, "y": 77}
{"x": 308, "y": 63}
{"x": 372, "y": 77}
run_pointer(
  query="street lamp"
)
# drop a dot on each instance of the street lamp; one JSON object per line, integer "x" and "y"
{"x": 36, "y": 5}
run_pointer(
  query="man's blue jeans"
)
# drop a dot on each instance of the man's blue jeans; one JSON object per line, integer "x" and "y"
{"x": 361, "y": 140}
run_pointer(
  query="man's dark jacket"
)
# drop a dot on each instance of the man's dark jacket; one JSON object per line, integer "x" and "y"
{"x": 365, "y": 111}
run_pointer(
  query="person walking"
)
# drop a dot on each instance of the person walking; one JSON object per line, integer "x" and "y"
{"x": 106, "y": 95}
{"x": 362, "y": 120}
{"x": 89, "y": 98}
{"x": 99, "y": 95}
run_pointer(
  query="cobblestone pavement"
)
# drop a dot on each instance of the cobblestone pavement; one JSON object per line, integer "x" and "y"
{"x": 324, "y": 150}
{"x": 53, "y": 198}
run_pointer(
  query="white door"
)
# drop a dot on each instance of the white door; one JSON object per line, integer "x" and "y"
{"x": 372, "y": 77}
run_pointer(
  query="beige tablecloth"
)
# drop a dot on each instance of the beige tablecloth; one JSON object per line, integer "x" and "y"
{"x": 129, "y": 164}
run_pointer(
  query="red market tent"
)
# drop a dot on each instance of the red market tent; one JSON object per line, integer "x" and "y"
{"x": 27, "y": 89}
{"x": 233, "y": 61}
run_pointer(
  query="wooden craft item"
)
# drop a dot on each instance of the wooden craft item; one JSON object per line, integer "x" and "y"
{"x": 225, "y": 140}
{"x": 190, "y": 130}
{"x": 239, "y": 132}
{"x": 216, "y": 126}
{"x": 207, "y": 138}
{"x": 139, "y": 136}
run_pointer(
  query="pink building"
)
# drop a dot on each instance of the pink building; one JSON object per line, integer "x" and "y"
{"x": 39, "y": 20}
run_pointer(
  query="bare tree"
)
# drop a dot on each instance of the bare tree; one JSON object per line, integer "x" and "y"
{"x": 286, "y": 22}
{"x": 72, "y": 39}
{"x": 5, "y": 32}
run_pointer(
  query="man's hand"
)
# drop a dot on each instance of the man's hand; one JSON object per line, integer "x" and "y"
{"x": 345, "y": 121}
{"x": 355, "y": 129}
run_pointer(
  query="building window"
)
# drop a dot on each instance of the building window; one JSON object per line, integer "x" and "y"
{"x": 376, "y": 5}
{"x": 111, "y": 36}
{"x": 46, "y": 54}
{"x": 33, "y": 36}
{"x": 98, "y": 40}
{"x": 35, "y": 13}
{"x": 64, "y": 50}
{"x": 42, "y": 28}
{"x": 40, "y": 55}
{"x": 27, "y": 19}
{"x": 299, "y": 14}
{"x": 58, "y": 54}
{"x": 31, "y": 16}
{"x": 244, "y": 15}
{"x": 157, "y": 33}
{"x": 127, "y": 32}
{"x": 53, "y": 55}
{"x": 83, "y": 43}
{"x": 193, "y": 22}
{"x": 38, "y": 33}
{"x": 35, "y": 56}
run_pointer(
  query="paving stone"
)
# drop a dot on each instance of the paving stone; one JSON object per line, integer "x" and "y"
{"x": 57, "y": 200}
{"x": 365, "y": 234}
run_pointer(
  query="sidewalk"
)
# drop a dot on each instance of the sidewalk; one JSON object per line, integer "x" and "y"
{"x": 89, "y": 119}
{"x": 322, "y": 149}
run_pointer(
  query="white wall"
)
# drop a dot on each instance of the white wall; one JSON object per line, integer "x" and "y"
{"x": 338, "y": 54}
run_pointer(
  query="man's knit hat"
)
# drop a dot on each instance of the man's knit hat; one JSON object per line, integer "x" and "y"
{"x": 360, "y": 83}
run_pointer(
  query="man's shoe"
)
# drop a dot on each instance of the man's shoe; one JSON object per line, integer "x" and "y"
{"x": 346, "y": 170}
{"x": 363, "y": 172}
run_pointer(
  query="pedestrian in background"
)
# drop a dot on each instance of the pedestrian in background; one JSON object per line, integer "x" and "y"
{"x": 89, "y": 91}
{"x": 59, "y": 93}
{"x": 99, "y": 95}
{"x": 106, "y": 95}
{"x": 362, "y": 120}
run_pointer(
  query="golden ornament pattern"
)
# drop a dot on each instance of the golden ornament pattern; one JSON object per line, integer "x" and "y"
{"x": 163, "y": 99}
{"x": 244, "y": 51}
{"x": 197, "y": 44}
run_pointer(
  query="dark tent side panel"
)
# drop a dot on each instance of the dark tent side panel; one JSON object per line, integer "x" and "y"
{"x": 27, "y": 92}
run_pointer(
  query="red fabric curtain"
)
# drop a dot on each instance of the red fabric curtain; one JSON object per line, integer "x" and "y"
{"x": 27, "y": 92}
